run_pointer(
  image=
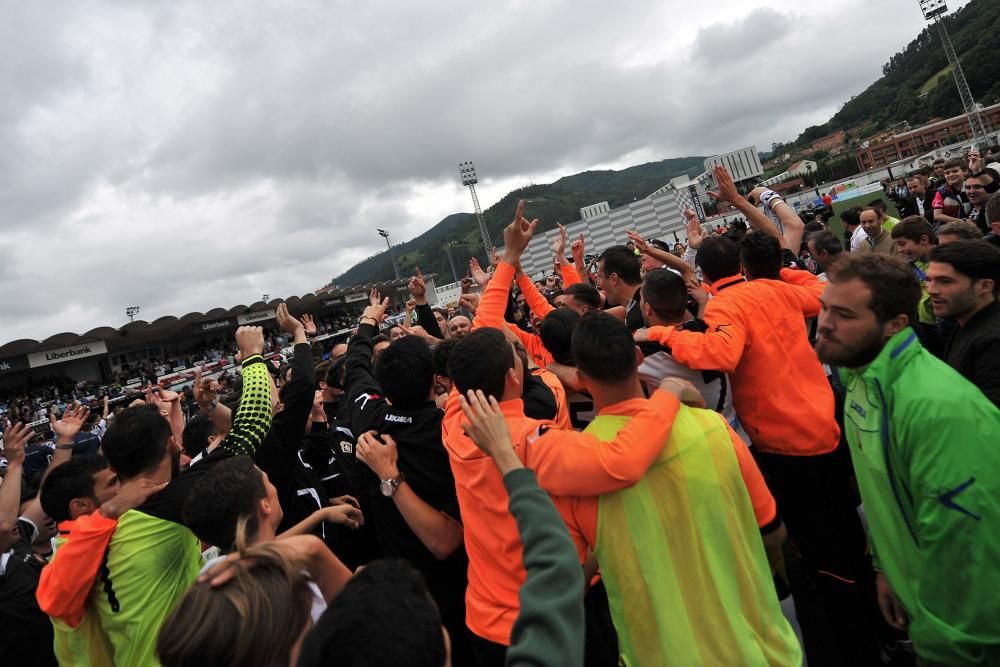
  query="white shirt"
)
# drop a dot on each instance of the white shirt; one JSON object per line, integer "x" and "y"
{"x": 858, "y": 238}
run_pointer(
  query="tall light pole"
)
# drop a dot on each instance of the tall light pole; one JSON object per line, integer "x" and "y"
{"x": 447, "y": 248}
{"x": 384, "y": 234}
{"x": 468, "y": 173}
{"x": 265, "y": 297}
{"x": 933, "y": 11}
{"x": 131, "y": 312}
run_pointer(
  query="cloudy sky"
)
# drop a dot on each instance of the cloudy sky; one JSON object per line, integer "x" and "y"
{"x": 188, "y": 155}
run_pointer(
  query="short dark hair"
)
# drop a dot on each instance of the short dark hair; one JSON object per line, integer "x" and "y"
{"x": 895, "y": 290}
{"x": 978, "y": 260}
{"x": 814, "y": 226}
{"x": 405, "y": 372}
{"x": 379, "y": 338}
{"x": 993, "y": 208}
{"x": 828, "y": 241}
{"x": 481, "y": 360}
{"x": 665, "y": 292}
{"x": 67, "y": 481}
{"x": 197, "y": 433}
{"x": 877, "y": 204}
{"x": 408, "y": 631}
{"x": 956, "y": 162}
{"x": 718, "y": 258}
{"x": 136, "y": 441}
{"x": 939, "y": 161}
{"x": 760, "y": 254}
{"x": 223, "y": 498}
{"x": 442, "y": 351}
{"x": 556, "y": 332}
{"x": 585, "y": 293}
{"x": 619, "y": 259}
{"x": 851, "y": 216}
{"x": 964, "y": 229}
{"x": 913, "y": 228}
{"x": 603, "y": 349}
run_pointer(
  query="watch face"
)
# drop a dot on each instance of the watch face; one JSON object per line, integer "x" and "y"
{"x": 386, "y": 488}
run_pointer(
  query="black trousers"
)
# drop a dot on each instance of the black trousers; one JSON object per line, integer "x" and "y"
{"x": 830, "y": 570}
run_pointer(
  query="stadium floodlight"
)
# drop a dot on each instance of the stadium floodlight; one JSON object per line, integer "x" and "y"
{"x": 467, "y": 171}
{"x": 934, "y": 10}
{"x": 384, "y": 234}
{"x": 131, "y": 312}
{"x": 265, "y": 297}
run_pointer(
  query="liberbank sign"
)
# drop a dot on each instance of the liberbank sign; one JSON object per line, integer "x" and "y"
{"x": 57, "y": 356}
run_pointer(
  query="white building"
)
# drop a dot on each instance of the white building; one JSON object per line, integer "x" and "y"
{"x": 656, "y": 216}
{"x": 743, "y": 164}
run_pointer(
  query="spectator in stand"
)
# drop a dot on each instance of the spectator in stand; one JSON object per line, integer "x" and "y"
{"x": 963, "y": 279}
{"x": 921, "y": 199}
{"x": 950, "y": 201}
{"x": 877, "y": 237}
{"x": 923, "y": 445}
{"x": 958, "y": 231}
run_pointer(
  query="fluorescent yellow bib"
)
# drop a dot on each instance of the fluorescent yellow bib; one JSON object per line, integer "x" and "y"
{"x": 682, "y": 557}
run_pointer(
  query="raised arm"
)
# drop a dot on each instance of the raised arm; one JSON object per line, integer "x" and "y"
{"x": 253, "y": 416}
{"x": 425, "y": 315}
{"x": 66, "y": 430}
{"x": 206, "y": 396}
{"x": 14, "y": 440}
{"x": 365, "y": 401}
{"x": 662, "y": 256}
{"x": 536, "y": 302}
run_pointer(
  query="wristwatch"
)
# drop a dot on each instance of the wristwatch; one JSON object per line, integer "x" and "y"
{"x": 389, "y": 486}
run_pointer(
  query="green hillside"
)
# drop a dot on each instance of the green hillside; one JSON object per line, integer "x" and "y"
{"x": 916, "y": 85}
{"x": 551, "y": 203}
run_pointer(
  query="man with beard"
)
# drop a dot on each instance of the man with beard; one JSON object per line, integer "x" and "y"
{"x": 923, "y": 445}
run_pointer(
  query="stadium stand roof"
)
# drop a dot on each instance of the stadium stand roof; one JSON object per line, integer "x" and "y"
{"x": 140, "y": 331}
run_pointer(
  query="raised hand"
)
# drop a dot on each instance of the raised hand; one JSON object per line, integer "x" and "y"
{"x": 71, "y": 422}
{"x": 309, "y": 324}
{"x": 374, "y": 298}
{"x": 576, "y": 249}
{"x": 727, "y": 188}
{"x": 640, "y": 243}
{"x": 975, "y": 162}
{"x": 694, "y": 233}
{"x": 418, "y": 288}
{"x": 559, "y": 246}
{"x": 250, "y": 340}
{"x": 14, "y": 440}
{"x": 476, "y": 272}
{"x": 376, "y": 310}
{"x": 517, "y": 235}
{"x": 205, "y": 391}
{"x": 411, "y": 305}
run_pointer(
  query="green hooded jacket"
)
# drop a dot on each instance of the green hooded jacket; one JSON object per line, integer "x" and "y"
{"x": 925, "y": 444}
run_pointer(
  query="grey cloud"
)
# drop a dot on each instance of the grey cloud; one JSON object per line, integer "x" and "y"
{"x": 187, "y": 155}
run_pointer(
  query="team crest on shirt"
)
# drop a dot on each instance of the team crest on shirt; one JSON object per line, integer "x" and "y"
{"x": 345, "y": 447}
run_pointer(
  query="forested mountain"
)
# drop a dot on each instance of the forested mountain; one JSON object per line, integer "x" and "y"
{"x": 560, "y": 201}
{"x": 917, "y": 84}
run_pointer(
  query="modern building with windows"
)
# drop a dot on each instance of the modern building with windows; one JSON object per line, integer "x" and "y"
{"x": 924, "y": 140}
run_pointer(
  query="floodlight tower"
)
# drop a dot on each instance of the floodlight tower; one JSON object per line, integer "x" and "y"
{"x": 933, "y": 11}
{"x": 395, "y": 267}
{"x": 131, "y": 312}
{"x": 468, "y": 173}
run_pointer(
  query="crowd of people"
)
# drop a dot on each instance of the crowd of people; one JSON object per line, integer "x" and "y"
{"x": 768, "y": 446}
